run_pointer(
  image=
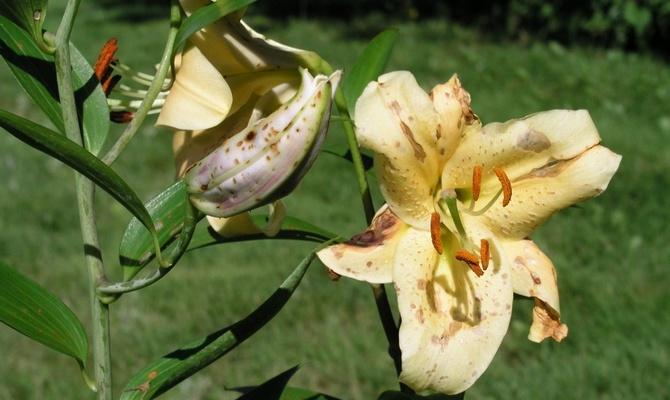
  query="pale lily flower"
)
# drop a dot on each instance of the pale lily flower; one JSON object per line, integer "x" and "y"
{"x": 225, "y": 66}
{"x": 267, "y": 159}
{"x": 454, "y": 250}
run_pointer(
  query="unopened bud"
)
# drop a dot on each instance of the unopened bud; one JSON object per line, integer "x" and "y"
{"x": 266, "y": 160}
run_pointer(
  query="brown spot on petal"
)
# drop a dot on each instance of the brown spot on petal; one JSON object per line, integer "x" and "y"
{"x": 419, "y": 152}
{"x": 419, "y": 316}
{"x": 383, "y": 226}
{"x": 546, "y": 323}
{"x": 421, "y": 284}
{"x": 533, "y": 141}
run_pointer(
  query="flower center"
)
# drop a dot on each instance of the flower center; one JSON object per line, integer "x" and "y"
{"x": 475, "y": 257}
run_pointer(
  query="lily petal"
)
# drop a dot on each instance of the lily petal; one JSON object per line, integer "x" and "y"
{"x": 519, "y": 146}
{"x": 533, "y": 275}
{"x": 452, "y": 103}
{"x": 543, "y": 191}
{"x": 190, "y": 147}
{"x": 367, "y": 256}
{"x": 200, "y": 98}
{"x": 396, "y": 119}
{"x": 238, "y": 225}
{"x": 452, "y": 321}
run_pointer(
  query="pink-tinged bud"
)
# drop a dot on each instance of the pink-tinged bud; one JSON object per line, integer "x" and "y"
{"x": 266, "y": 160}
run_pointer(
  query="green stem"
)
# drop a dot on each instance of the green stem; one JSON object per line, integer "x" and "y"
{"x": 85, "y": 202}
{"x": 153, "y": 91}
{"x": 359, "y": 168}
{"x": 379, "y": 291}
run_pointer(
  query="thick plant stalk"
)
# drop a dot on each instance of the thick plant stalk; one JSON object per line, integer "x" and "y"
{"x": 85, "y": 202}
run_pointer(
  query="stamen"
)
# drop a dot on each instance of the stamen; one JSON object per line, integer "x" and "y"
{"x": 476, "y": 182}
{"x": 435, "y": 234}
{"x": 471, "y": 260}
{"x": 105, "y": 58}
{"x": 484, "y": 253}
{"x": 121, "y": 117}
{"x": 109, "y": 83}
{"x": 506, "y": 185}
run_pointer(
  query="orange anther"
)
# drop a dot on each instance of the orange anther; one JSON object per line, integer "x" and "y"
{"x": 105, "y": 58}
{"x": 506, "y": 185}
{"x": 121, "y": 117}
{"x": 435, "y": 234}
{"x": 466, "y": 256}
{"x": 476, "y": 182}
{"x": 471, "y": 260}
{"x": 484, "y": 253}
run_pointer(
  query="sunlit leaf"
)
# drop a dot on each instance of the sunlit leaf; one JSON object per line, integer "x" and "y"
{"x": 369, "y": 65}
{"x": 167, "y": 209}
{"x": 165, "y": 373}
{"x": 38, "y": 314}
{"x": 57, "y": 146}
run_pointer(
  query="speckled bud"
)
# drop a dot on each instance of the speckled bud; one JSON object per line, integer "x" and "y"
{"x": 266, "y": 160}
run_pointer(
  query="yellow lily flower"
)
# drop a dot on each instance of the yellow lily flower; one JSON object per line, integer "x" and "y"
{"x": 454, "y": 250}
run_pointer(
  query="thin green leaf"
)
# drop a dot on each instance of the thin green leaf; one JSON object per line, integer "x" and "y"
{"x": 38, "y": 314}
{"x": 271, "y": 389}
{"x": 207, "y": 15}
{"x": 29, "y": 15}
{"x": 292, "y": 229}
{"x": 168, "y": 211}
{"x": 165, "y": 373}
{"x": 90, "y": 96}
{"x": 369, "y": 65}
{"x": 33, "y": 69}
{"x": 394, "y": 395}
{"x": 57, "y": 146}
{"x": 293, "y": 393}
{"x": 35, "y": 72}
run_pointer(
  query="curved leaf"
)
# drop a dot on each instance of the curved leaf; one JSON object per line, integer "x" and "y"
{"x": 57, "y": 146}
{"x": 34, "y": 70}
{"x": 369, "y": 65}
{"x": 165, "y": 373}
{"x": 38, "y": 314}
{"x": 272, "y": 388}
{"x": 205, "y": 16}
{"x": 29, "y": 15}
{"x": 168, "y": 212}
{"x": 292, "y": 229}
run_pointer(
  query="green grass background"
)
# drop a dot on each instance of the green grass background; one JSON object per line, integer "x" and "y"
{"x": 611, "y": 254}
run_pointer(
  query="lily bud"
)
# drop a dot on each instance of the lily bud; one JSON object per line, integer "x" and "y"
{"x": 267, "y": 159}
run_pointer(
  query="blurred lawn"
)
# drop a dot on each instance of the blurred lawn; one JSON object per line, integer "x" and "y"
{"x": 611, "y": 253}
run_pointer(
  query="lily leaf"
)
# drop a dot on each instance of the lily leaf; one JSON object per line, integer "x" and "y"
{"x": 394, "y": 395}
{"x": 167, "y": 209}
{"x": 29, "y": 15}
{"x": 271, "y": 389}
{"x": 38, "y": 314}
{"x": 207, "y": 15}
{"x": 165, "y": 373}
{"x": 35, "y": 72}
{"x": 369, "y": 65}
{"x": 292, "y": 229}
{"x": 59, "y": 147}
{"x": 276, "y": 389}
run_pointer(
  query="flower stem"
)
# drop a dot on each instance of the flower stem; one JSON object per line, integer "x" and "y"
{"x": 378, "y": 290}
{"x": 153, "y": 91}
{"x": 85, "y": 202}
